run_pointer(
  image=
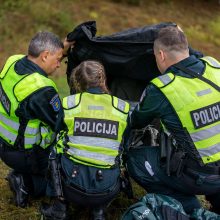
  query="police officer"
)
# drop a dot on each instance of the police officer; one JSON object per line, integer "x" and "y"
{"x": 90, "y": 148}
{"x": 186, "y": 100}
{"x": 31, "y": 114}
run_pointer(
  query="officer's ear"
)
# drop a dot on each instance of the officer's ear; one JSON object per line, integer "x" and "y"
{"x": 162, "y": 55}
{"x": 44, "y": 55}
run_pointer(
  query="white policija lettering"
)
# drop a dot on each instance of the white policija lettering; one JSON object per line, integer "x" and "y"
{"x": 205, "y": 116}
{"x": 93, "y": 127}
{"x": 96, "y": 127}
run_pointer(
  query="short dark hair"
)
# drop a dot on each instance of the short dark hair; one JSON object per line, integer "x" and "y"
{"x": 172, "y": 39}
{"x": 88, "y": 74}
{"x": 42, "y": 41}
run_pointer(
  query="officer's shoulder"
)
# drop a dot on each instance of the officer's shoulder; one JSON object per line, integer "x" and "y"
{"x": 15, "y": 57}
{"x": 71, "y": 101}
{"x": 35, "y": 83}
{"x": 10, "y": 60}
{"x": 211, "y": 61}
{"x": 121, "y": 104}
{"x": 120, "y": 100}
{"x": 163, "y": 80}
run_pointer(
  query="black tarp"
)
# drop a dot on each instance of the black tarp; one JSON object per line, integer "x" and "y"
{"x": 127, "y": 56}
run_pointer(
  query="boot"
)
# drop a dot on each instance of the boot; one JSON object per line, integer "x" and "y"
{"x": 16, "y": 184}
{"x": 98, "y": 214}
{"x": 56, "y": 211}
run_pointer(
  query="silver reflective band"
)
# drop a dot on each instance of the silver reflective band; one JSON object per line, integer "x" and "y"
{"x": 9, "y": 122}
{"x": 95, "y": 107}
{"x": 209, "y": 151}
{"x": 212, "y": 61}
{"x": 71, "y": 101}
{"x": 92, "y": 155}
{"x": 206, "y": 133}
{"x": 204, "y": 92}
{"x": 33, "y": 140}
{"x": 15, "y": 125}
{"x": 95, "y": 142}
{"x": 121, "y": 105}
{"x": 132, "y": 105}
{"x": 45, "y": 130}
{"x": 148, "y": 168}
{"x": 165, "y": 79}
{"x": 13, "y": 137}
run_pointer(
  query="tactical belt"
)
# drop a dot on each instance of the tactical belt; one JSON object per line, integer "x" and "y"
{"x": 213, "y": 169}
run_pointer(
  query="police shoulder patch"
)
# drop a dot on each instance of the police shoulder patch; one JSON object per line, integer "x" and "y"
{"x": 55, "y": 102}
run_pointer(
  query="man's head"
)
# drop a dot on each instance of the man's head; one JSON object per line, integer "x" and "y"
{"x": 170, "y": 47}
{"x": 88, "y": 74}
{"x": 46, "y": 50}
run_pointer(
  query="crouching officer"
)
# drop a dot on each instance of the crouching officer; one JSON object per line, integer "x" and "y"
{"x": 30, "y": 111}
{"x": 89, "y": 150}
{"x": 186, "y": 99}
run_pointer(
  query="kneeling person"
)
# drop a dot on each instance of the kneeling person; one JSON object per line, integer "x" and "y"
{"x": 89, "y": 150}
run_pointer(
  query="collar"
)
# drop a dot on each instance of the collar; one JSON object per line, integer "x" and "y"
{"x": 95, "y": 90}
{"x": 26, "y": 66}
{"x": 191, "y": 62}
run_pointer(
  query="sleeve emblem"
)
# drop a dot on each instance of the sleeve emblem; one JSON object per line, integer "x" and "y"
{"x": 55, "y": 102}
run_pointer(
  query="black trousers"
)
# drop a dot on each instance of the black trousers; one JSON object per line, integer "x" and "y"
{"x": 144, "y": 167}
{"x": 76, "y": 196}
{"x": 82, "y": 187}
{"x": 32, "y": 164}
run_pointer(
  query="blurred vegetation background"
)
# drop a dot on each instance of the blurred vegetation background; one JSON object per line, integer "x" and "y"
{"x": 21, "y": 19}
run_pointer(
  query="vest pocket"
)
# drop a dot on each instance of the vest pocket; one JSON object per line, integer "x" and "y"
{"x": 89, "y": 179}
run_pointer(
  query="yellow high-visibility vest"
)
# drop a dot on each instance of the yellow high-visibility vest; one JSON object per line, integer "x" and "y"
{"x": 14, "y": 88}
{"x": 96, "y": 123}
{"x": 197, "y": 105}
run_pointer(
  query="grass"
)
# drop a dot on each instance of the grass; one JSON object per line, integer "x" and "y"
{"x": 10, "y": 212}
{"x": 21, "y": 19}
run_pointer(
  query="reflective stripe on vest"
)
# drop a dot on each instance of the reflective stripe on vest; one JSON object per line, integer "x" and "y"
{"x": 14, "y": 89}
{"x": 47, "y": 136}
{"x": 165, "y": 79}
{"x": 95, "y": 141}
{"x": 198, "y": 108}
{"x": 12, "y": 137}
{"x": 72, "y": 101}
{"x": 211, "y": 61}
{"x": 15, "y": 125}
{"x": 205, "y": 133}
{"x": 95, "y": 128}
{"x": 94, "y": 157}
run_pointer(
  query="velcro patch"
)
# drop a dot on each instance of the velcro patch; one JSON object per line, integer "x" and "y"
{"x": 96, "y": 128}
{"x": 5, "y": 100}
{"x": 205, "y": 116}
{"x": 55, "y": 102}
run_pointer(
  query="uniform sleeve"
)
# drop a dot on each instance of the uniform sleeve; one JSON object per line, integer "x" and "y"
{"x": 45, "y": 104}
{"x": 152, "y": 105}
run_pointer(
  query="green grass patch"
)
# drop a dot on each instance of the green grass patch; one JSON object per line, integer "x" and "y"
{"x": 63, "y": 88}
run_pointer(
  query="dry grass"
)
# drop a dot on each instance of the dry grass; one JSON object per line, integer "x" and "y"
{"x": 8, "y": 211}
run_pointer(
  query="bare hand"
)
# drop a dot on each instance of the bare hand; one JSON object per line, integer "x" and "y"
{"x": 67, "y": 44}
